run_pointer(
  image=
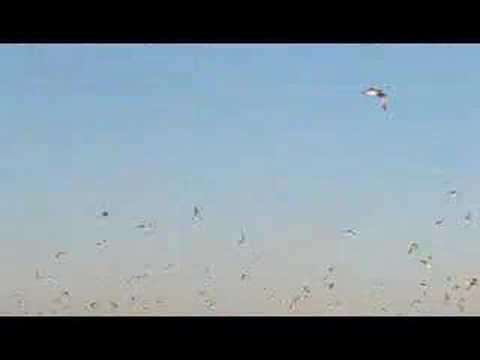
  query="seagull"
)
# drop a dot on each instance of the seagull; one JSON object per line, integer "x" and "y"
{"x": 168, "y": 267}
{"x": 59, "y": 254}
{"x": 113, "y": 304}
{"x": 413, "y": 246}
{"x": 196, "y": 214}
{"x": 101, "y": 244}
{"x": 446, "y": 297}
{"x": 144, "y": 225}
{"x": 454, "y": 195}
{"x": 351, "y": 232}
{"x": 306, "y": 291}
{"x": 92, "y": 305}
{"x": 472, "y": 282}
{"x": 46, "y": 279}
{"x": 243, "y": 238}
{"x": 210, "y": 303}
{"x": 427, "y": 262}
{"x": 379, "y": 93}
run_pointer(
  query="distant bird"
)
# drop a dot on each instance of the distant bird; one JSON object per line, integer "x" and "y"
{"x": 439, "y": 222}
{"x": 306, "y": 290}
{"x": 350, "y": 232}
{"x": 92, "y": 305}
{"x": 46, "y": 279}
{"x": 210, "y": 303}
{"x": 446, "y": 297}
{"x": 423, "y": 283}
{"x": 105, "y": 213}
{"x": 196, "y": 214}
{"x": 427, "y": 262}
{"x": 243, "y": 237}
{"x": 113, "y": 304}
{"x": 168, "y": 267}
{"x": 379, "y": 93}
{"x": 101, "y": 243}
{"x": 60, "y": 254}
{"x": 147, "y": 227}
{"x": 471, "y": 283}
{"x": 37, "y": 275}
{"x": 453, "y": 195}
{"x": 412, "y": 247}
{"x": 468, "y": 218}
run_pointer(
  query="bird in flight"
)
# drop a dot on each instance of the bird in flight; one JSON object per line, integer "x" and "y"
{"x": 350, "y": 232}
{"x": 378, "y": 93}
{"x": 196, "y": 214}
{"x": 412, "y": 247}
{"x": 243, "y": 237}
{"x": 60, "y": 254}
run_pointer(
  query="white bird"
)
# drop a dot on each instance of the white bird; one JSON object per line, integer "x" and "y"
{"x": 351, "y": 232}
{"x": 60, "y": 254}
{"x": 471, "y": 283}
{"x": 379, "y": 93}
{"x": 244, "y": 275}
{"x": 412, "y": 247}
{"x": 243, "y": 238}
{"x": 454, "y": 195}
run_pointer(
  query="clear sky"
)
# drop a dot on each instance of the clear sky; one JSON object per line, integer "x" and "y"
{"x": 274, "y": 138}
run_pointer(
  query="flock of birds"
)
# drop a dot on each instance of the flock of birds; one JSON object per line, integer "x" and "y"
{"x": 455, "y": 290}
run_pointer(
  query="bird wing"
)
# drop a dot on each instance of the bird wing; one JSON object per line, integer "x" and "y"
{"x": 384, "y": 102}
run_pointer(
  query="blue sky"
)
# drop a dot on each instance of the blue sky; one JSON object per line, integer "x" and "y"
{"x": 276, "y": 138}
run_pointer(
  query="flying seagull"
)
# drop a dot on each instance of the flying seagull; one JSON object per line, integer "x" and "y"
{"x": 468, "y": 218}
{"x": 243, "y": 237}
{"x": 379, "y": 93}
{"x": 471, "y": 283}
{"x": 412, "y": 247}
{"x": 196, "y": 214}
{"x": 350, "y": 232}
{"x": 60, "y": 254}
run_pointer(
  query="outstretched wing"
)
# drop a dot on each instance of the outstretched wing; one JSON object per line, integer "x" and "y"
{"x": 384, "y": 102}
